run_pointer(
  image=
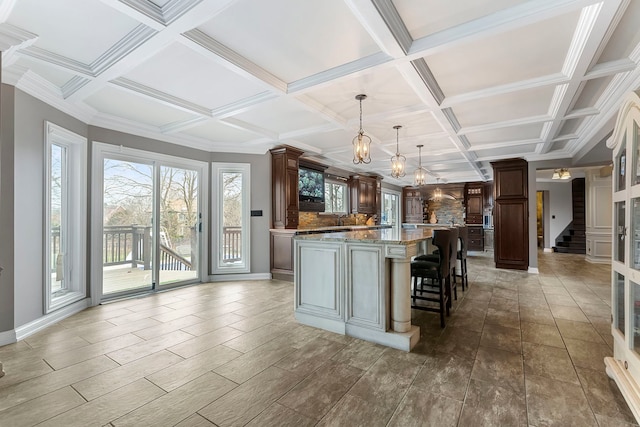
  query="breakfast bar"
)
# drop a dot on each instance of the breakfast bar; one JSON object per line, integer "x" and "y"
{"x": 358, "y": 283}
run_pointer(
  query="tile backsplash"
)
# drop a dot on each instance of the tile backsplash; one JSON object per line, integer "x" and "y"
{"x": 314, "y": 219}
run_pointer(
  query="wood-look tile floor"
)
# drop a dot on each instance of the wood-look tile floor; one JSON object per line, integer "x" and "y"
{"x": 518, "y": 350}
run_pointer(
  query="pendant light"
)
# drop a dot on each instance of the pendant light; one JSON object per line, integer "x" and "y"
{"x": 398, "y": 161}
{"x": 438, "y": 193}
{"x": 420, "y": 175}
{"x": 361, "y": 143}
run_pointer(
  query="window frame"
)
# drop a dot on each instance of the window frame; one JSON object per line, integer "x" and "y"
{"x": 73, "y": 222}
{"x": 218, "y": 267}
{"x": 327, "y": 203}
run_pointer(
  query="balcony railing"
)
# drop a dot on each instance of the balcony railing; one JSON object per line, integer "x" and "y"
{"x": 131, "y": 244}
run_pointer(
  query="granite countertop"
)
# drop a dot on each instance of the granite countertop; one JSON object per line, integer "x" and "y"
{"x": 329, "y": 229}
{"x": 426, "y": 224}
{"x": 381, "y": 236}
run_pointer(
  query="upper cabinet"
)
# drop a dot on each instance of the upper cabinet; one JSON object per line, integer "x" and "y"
{"x": 284, "y": 187}
{"x": 412, "y": 205}
{"x": 363, "y": 191}
{"x": 474, "y": 202}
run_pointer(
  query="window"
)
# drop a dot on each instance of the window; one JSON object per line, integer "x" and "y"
{"x": 65, "y": 237}
{"x": 335, "y": 197}
{"x": 231, "y": 190}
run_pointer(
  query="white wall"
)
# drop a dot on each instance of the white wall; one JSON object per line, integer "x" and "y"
{"x": 559, "y": 207}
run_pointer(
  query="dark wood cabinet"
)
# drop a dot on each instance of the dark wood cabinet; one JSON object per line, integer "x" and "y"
{"x": 511, "y": 214}
{"x": 412, "y": 202}
{"x": 475, "y": 240}
{"x": 363, "y": 190}
{"x": 474, "y": 202}
{"x": 282, "y": 254}
{"x": 284, "y": 187}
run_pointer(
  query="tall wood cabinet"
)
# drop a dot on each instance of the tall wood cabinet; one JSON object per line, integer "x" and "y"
{"x": 474, "y": 202}
{"x": 511, "y": 214}
{"x": 284, "y": 186}
{"x": 363, "y": 191}
{"x": 624, "y": 366}
{"x": 412, "y": 202}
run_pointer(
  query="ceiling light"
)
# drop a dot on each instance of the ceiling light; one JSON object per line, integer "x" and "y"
{"x": 361, "y": 143}
{"x": 398, "y": 161}
{"x": 420, "y": 175}
{"x": 438, "y": 193}
{"x": 562, "y": 173}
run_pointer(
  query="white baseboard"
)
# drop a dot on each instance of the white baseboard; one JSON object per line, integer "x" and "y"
{"x": 21, "y": 332}
{"x": 7, "y": 337}
{"x": 598, "y": 260}
{"x": 238, "y": 277}
{"x": 533, "y": 270}
{"x": 548, "y": 250}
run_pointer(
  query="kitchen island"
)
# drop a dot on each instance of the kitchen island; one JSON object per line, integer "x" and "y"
{"x": 358, "y": 283}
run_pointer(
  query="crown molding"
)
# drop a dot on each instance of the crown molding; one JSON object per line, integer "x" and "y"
{"x": 394, "y": 22}
{"x": 13, "y": 39}
{"x": 427, "y": 77}
{"x": 34, "y": 85}
{"x": 494, "y": 145}
{"x": 344, "y": 70}
{"x": 182, "y": 125}
{"x": 75, "y": 83}
{"x": 242, "y": 125}
{"x": 548, "y": 80}
{"x": 58, "y": 60}
{"x": 507, "y": 123}
{"x": 581, "y": 36}
{"x": 581, "y": 112}
{"x": 239, "y": 62}
{"x": 162, "y": 97}
{"x": 609, "y": 68}
{"x": 136, "y": 37}
{"x": 243, "y": 105}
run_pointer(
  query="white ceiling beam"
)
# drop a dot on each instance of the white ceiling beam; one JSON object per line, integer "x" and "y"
{"x": 593, "y": 27}
{"x": 135, "y": 14}
{"x": 494, "y": 145}
{"x": 506, "y": 123}
{"x": 609, "y": 68}
{"x": 198, "y": 14}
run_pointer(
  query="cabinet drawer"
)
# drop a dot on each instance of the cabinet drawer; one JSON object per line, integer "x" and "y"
{"x": 474, "y": 232}
{"x": 476, "y": 245}
{"x": 474, "y": 219}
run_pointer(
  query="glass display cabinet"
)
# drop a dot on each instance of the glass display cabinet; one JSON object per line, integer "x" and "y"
{"x": 624, "y": 366}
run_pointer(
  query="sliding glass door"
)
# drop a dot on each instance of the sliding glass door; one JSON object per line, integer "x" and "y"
{"x": 152, "y": 221}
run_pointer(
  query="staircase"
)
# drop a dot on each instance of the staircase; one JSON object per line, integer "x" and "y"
{"x": 572, "y": 239}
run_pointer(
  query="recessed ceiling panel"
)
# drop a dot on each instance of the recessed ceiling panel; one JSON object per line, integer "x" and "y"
{"x": 559, "y": 146}
{"x": 292, "y": 39}
{"x": 413, "y": 126}
{"x": 523, "y": 53}
{"x": 281, "y": 115}
{"x": 181, "y": 72}
{"x": 570, "y": 126}
{"x": 213, "y": 130}
{"x": 591, "y": 92}
{"x": 328, "y": 141}
{"x": 386, "y": 91}
{"x": 507, "y": 134}
{"x": 129, "y": 106}
{"x": 425, "y": 17}
{"x": 626, "y": 36}
{"x": 52, "y": 74}
{"x": 78, "y": 29}
{"x": 500, "y": 108}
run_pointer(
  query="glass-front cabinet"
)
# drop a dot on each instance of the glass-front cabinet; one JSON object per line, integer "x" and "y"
{"x": 624, "y": 366}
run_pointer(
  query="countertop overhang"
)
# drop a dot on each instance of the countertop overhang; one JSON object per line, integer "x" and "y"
{"x": 382, "y": 236}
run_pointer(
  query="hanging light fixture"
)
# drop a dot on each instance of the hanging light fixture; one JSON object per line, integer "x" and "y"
{"x": 361, "y": 143}
{"x": 438, "y": 193}
{"x": 562, "y": 173}
{"x": 398, "y": 161}
{"x": 420, "y": 175}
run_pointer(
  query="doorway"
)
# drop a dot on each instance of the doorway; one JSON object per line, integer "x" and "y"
{"x": 390, "y": 209}
{"x": 540, "y": 219}
{"x": 149, "y": 236}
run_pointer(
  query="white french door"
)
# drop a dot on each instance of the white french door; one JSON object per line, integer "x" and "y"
{"x": 148, "y": 221}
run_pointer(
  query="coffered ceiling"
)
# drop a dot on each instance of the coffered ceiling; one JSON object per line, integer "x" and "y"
{"x": 473, "y": 80}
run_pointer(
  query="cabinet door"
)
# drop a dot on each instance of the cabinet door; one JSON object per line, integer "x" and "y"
{"x": 511, "y": 242}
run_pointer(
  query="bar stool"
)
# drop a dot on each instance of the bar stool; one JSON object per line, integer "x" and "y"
{"x": 452, "y": 251}
{"x": 463, "y": 235}
{"x": 436, "y": 273}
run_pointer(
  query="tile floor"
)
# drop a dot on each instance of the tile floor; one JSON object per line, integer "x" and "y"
{"x": 518, "y": 350}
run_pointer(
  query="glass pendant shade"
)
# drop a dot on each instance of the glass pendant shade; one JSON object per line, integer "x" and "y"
{"x": 565, "y": 174}
{"x": 420, "y": 175}
{"x": 398, "y": 161}
{"x": 556, "y": 174}
{"x": 361, "y": 143}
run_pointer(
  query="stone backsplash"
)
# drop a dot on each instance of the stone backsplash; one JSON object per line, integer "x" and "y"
{"x": 446, "y": 210}
{"x": 314, "y": 219}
